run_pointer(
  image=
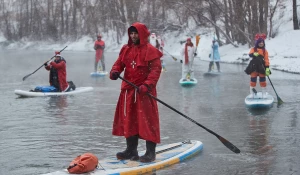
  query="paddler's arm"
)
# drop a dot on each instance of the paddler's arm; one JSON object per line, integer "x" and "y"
{"x": 155, "y": 70}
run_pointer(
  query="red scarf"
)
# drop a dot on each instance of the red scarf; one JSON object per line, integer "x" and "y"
{"x": 186, "y": 56}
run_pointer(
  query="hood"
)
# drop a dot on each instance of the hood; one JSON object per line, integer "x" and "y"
{"x": 142, "y": 31}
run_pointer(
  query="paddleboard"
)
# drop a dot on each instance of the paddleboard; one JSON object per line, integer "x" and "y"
{"x": 258, "y": 102}
{"x": 166, "y": 155}
{"x": 212, "y": 73}
{"x": 188, "y": 82}
{"x": 99, "y": 74}
{"x": 23, "y": 93}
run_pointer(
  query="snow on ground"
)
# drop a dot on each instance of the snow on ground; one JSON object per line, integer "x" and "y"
{"x": 283, "y": 49}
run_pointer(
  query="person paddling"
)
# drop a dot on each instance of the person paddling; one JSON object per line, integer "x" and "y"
{"x": 136, "y": 115}
{"x": 58, "y": 74}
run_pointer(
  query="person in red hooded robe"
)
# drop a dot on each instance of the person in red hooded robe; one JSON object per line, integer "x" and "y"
{"x": 136, "y": 113}
{"x": 99, "y": 48}
{"x": 58, "y": 73}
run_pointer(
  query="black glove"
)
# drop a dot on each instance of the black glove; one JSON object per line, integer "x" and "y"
{"x": 46, "y": 63}
{"x": 181, "y": 61}
{"x": 195, "y": 54}
{"x": 114, "y": 75}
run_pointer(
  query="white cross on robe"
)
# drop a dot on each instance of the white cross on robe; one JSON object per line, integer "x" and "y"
{"x": 133, "y": 64}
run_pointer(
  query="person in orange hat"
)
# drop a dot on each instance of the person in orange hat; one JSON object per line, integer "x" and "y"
{"x": 58, "y": 74}
{"x": 99, "y": 47}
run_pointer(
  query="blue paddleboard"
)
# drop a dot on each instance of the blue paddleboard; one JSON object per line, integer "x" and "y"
{"x": 188, "y": 82}
{"x": 99, "y": 74}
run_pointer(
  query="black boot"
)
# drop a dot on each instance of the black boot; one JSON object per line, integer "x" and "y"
{"x": 218, "y": 66}
{"x": 210, "y": 66}
{"x": 72, "y": 85}
{"x": 150, "y": 152}
{"x": 131, "y": 150}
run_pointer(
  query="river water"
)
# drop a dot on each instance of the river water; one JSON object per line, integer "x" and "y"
{"x": 44, "y": 134}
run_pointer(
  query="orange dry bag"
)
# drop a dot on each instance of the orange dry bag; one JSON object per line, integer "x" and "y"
{"x": 84, "y": 163}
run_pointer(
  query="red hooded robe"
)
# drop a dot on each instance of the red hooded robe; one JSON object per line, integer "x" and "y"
{"x": 137, "y": 114}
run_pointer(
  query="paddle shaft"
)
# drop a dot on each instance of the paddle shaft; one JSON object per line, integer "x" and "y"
{"x": 278, "y": 98}
{"x": 223, "y": 140}
{"x": 24, "y": 78}
{"x": 170, "y": 55}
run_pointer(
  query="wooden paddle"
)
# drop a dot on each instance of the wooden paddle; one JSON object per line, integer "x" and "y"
{"x": 223, "y": 140}
{"x": 197, "y": 42}
{"x": 24, "y": 78}
{"x": 175, "y": 59}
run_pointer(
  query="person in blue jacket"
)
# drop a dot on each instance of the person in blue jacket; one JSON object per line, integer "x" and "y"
{"x": 214, "y": 55}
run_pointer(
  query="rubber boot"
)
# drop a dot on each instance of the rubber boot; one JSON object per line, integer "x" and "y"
{"x": 210, "y": 66}
{"x": 218, "y": 66}
{"x": 150, "y": 152}
{"x": 251, "y": 92}
{"x": 96, "y": 66}
{"x": 131, "y": 150}
{"x": 72, "y": 85}
{"x": 263, "y": 92}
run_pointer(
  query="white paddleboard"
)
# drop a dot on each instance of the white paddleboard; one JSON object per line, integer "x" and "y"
{"x": 188, "y": 82}
{"x": 166, "y": 155}
{"x": 258, "y": 102}
{"x": 23, "y": 93}
{"x": 99, "y": 74}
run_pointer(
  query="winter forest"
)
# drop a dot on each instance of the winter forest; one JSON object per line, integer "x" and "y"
{"x": 237, "y": 21}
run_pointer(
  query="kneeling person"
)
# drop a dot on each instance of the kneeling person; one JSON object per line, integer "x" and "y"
{"x": 58, "y": 74}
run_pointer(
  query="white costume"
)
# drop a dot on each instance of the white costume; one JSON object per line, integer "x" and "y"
{"x": 188, "y": 67}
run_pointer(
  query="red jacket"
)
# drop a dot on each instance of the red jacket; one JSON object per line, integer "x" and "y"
{"x": 62, "y": 74}
{"x": 99, "y": 47}
{"x": 138, "y": 114}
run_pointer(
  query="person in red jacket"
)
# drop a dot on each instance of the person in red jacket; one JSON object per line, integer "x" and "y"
{"x": 136, "y": 113}
{"x": 99, "y": 48}
{"x": 58, "y": 74}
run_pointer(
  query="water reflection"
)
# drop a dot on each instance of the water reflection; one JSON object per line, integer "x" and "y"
{"x": 187, "y": 95}
{"x": 57, "y": 107}
{"x": 259, "y": 145}
{"x": 59, "y": 102}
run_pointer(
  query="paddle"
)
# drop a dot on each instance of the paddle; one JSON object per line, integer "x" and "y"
{"x": 175, "y": 59}
{"x": 197, "y": 42}
{"x": 279, "y": 101}
{"x": 223, "y": 140}
{"x": 24, "y": 78}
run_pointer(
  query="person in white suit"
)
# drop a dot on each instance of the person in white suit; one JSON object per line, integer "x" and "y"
{"x": 188, "y": 54}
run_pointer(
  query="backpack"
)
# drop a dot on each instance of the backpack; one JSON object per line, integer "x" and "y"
{"x": 83, "y": 163}
{"x": 45, "y": 89}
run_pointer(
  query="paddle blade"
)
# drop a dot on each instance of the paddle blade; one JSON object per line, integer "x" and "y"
{"x": 175, "y": 59}
{"x": 24, "y": 78}
{"x": 279, "y": 101}
{"x": 229, "y": 145}
{"x": 197, "y": 40}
